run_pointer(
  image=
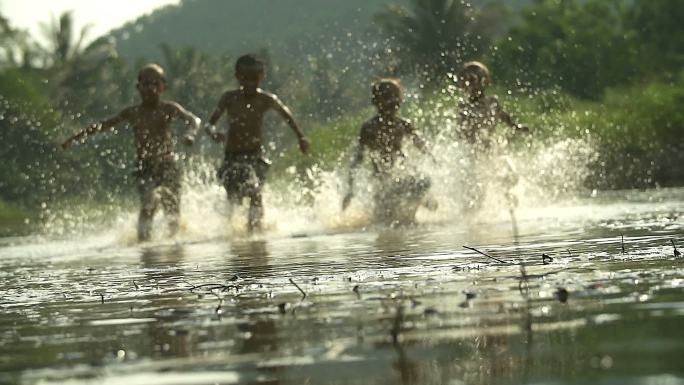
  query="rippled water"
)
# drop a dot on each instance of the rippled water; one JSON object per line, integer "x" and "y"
{"x": 404, "y": 306}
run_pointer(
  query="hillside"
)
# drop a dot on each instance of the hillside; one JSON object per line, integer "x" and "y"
{"x": 285, "y": 27}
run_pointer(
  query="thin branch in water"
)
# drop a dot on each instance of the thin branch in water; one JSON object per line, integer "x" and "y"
{"x": 485, "y": 254}
{"x": 546, "y": 259}
{"x": 622, "y": 243}
{"x": 101, "y": 298}
{"x": 677, "y": 254}
{"x": 298, "y": 288}
{"x": 524, "y": 290}
{"x": 356, "y": 290}
{"x": 136, "y": 286}
{"x": 396, "y": 327}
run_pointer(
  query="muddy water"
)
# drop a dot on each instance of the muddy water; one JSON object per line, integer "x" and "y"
{"x": 363, "y": 306}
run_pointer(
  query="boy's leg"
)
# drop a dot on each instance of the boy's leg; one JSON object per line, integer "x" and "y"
{"x": 256, "y": 204}
{"x": 256, "y": 211}
{"x": 170, "y": 197}
{"x": 149, "y": 200}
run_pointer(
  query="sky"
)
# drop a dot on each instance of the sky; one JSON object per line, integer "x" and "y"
{"x": 104, "y": 15}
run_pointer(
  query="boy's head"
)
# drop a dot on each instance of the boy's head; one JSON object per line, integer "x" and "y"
{"x": 474, "y": 77}
{"x": 386, "y": 95}
{"x": 151, "y": 83}
{"x": 249, "y": 71}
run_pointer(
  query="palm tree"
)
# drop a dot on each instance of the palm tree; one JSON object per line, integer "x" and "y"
{"x": 86, "y": 76}
{"x": 432, "y": 37}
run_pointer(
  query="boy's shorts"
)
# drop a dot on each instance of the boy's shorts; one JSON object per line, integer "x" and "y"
{"x": 159, "y": 181}
{"x": 398, "y": 198}
{"x": 243, "y": 174}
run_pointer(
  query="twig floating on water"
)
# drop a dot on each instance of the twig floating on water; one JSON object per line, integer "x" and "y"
{"x": 396, "y": 327}
{"x": 102, "y": 297}
{"x": 356, "y": 290}
{"x": 136, "y": 286}
{"x": 677, "y": 254}
{"x": 298, "y": 288}
{"x": 485, "y": 254}
{"x": 546, "y": 259}
{"x": 524, "y": 290}
{"x": 622, "y": 243}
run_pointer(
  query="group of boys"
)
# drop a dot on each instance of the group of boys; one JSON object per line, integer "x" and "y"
{"x": 245, "y": 166}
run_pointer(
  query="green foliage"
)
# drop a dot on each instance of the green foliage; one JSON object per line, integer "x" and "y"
{"x": 658, "y": 31}
{"x": 11, "y": 215}
{"x": 582, "y": 47}
{"x": 433, "y": 37}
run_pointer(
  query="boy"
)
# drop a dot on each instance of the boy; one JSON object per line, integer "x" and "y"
{"x": 382, "y": 137}
{"x": 156, "y": 169}
{"x": 480, "y": 113}
{"x": 479, "y": 117}
{"x": 244, "y": 168}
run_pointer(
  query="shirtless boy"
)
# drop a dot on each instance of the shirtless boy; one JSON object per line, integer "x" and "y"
{"x": 399, "y": 194}
{"x": 479, "y": 113}
{"x": 479, "y": 117}
{"x": 156, "y": 169}
{"x": 244, "y": 168}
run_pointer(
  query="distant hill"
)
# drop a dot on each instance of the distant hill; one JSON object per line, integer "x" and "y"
{"x": 284, "y": 27}
{"x": 234, "y": 26}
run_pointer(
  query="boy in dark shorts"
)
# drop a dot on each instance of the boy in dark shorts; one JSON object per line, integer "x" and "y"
{"x": 398, "y": 195}
{"x": 479, "y": 117}
{"x": 156, "y": 170}
{"x": 244, "y": 168}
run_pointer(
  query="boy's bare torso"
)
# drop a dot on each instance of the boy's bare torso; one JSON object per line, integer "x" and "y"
{"x": 479, "y": 118}
{"x": 383, "y": 137}
{"x": 245, "y": 115}
{"x": 154, "y": 137}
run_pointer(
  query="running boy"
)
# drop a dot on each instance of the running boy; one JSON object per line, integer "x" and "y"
{"x": 244, "y": 168}
{"x": 156, "y": 168}
{"x": 479, "y": 116}
{"x": 398, "y": 196}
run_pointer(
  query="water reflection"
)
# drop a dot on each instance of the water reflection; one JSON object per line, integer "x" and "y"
{"x": 170, "y": 334}
{"x": 259, "y": 331}
{"x": 620, "y": 324}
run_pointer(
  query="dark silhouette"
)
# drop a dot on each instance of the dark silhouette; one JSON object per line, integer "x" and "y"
{"x": 156, "y": 170}
{"x": 244, "y": 168}
{"x": 398, "y": 195}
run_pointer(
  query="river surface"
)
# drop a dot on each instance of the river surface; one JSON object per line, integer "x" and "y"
{"x": 365, "y": 305}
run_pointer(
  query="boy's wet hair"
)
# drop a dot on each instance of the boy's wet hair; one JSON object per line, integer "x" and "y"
{"x": 475, "y": 69}
{"x": 249, "y": 64}
{"x": 384, "y": 87}
{"x": 152, "y": 68}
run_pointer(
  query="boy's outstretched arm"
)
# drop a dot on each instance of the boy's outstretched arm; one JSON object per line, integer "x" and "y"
{"x": 192, "y": 122}
{"x": 356, "y": 162}
{"x": 420, "y": 143}
{"x": 287, "y": 117}
{"x": 210, "y": 128}
{"x": 508, "y": 120}
{"x": 95, "y": 128}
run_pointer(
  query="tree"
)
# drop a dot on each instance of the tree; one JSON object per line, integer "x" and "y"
{"x": 433, "y": 37}
{"x": 583, "y": 47}
{"x": 659, "y": 34}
